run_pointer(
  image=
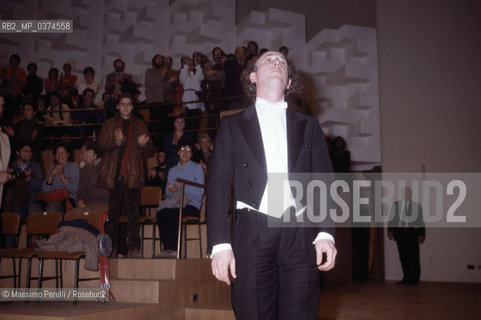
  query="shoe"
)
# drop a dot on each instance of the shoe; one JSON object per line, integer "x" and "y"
{"x": 134, "y": 253}
{"x": 403, "y": 281}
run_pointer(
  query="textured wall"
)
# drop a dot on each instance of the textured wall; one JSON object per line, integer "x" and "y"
{"x": 341, "y": 64}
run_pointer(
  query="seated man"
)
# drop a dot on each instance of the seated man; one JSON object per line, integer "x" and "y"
{"x": 168, "y": 218}
{"x": 89, "y": 196}
{"x": 28, "y": 182}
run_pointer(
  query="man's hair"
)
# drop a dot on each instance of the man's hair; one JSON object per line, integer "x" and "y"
{"x": 250, "y": 88}
{"x": 32, "y": 64}
{"x": 118, "y": 60}
{"x": 19, "y": 145}
{"x": 54, "y": 94}
{"x": 15, "y": 56}
{"x": 157, "y": 55}
{"x": 52, "y": 70}
{"x": 89, "y": 69}
{"x": 185, "y": 142}
{"x": 67, "y": 65}
{"x": 91, "y": 145}
{"x": 88, "y": 90}
{"x": 125, "y": 95}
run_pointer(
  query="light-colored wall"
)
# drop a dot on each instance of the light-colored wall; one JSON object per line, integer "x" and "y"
{"x": 430, "y": 104}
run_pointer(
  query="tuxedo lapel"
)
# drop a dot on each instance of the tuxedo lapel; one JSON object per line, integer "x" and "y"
{"x": 295, "y": 137}
{"x": 249, "y": 124}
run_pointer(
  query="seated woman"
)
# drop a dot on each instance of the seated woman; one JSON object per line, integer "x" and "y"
{"x": 61, "y": 184}
{"x": 168, "y": 218}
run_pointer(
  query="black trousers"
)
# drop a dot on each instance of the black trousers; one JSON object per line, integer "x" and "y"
{"x": 124, "y": 202}
{"x": 408, "y": 247}
{"x": 168, "y": 220}
{"x": 277, "y": 276}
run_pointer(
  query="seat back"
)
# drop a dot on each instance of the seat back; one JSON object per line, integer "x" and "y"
{"x": 43, "y": 223}
{"x": 10, "y": 222}
{"x": 150, "y": 196}
{"x": 93, "y": 218}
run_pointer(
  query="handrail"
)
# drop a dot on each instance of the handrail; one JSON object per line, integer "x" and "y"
{"x": 183, "y": 182}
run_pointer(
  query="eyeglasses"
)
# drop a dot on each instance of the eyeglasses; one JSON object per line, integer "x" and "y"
{"x": 188, "y": 149}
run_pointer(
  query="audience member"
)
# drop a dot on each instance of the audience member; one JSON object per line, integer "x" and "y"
{"x": 158, "y": 174}
{"x": 252, "y": 50}
{"x": 88, "y": 81}
{"x": 60, "y": 185}
{"x": 67, "y": 80}
{"x": 155, "y": 80}
{"x": 233, "y": 82}
{"x": 52, "y": 84}
{"x": 172, "y": 139}
{"x": 34, "y": 84}
{"x": 190, "y": 77}
{"x": 117, "y": 76}
{"x": 88, "y": 117}
{"x": 30, "y": 131}
{"x": 171, "y": 82}
{"x": 28, "y": 181}
{"x": 284, "y": 51}
{"x": 214, "y": 73}
{"x": 124, "y": 143}
{"x": 168, "y": 218}
{"x": 54, "y": 116}
{"x": 91, "y": 197}
{"x": 204, "y": 152}
{"x": 16, "y": 74}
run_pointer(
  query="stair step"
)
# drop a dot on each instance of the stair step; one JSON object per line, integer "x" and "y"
{"x": 142, "y": 269}
{"x": 218, "y": 311}
{"x": 136, "y": 291}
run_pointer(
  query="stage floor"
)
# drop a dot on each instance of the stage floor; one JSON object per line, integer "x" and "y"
{"x": 355, "y": 301}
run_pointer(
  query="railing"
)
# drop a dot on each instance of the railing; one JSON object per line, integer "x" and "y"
{"x": 138, "y": 107}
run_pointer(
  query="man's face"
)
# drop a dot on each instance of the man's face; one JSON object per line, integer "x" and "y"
{"x": 271, "y": 67}
{"x": 14, "y": 62}
{"x": 25, "y": 154}
{"x": 54, "y": 101}
{"x": 31, "y": 70}
{"x": 240, "y": 53}
{"x": 87, "y": 155}
{"x": 119, "y": 66}
{"x": 28, "y": 112}
{"x": 125, "y": 107}
{"x": 158, "y": 61}
{"x": 184, "y": 153}
{"x": 168, "y": 62}
{"x": 88, "y": 97}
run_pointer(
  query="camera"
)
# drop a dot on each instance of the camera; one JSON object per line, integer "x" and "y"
{"x": 18, "y": 173}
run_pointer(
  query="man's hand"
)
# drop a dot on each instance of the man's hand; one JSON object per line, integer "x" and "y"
{"x": 119, "y": 136}
{"x": 221, "y": 263}
{"x": 142, "y": 140}
{"x": 327, "y": 246}
{"x": 5, "y": 176}
{"x": 81, "y": 204}
{"x": 390, "y": 236}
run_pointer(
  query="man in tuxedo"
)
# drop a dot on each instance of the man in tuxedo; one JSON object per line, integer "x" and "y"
{"x": 407, "y": 228}
{"x": 275, "y": 270}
